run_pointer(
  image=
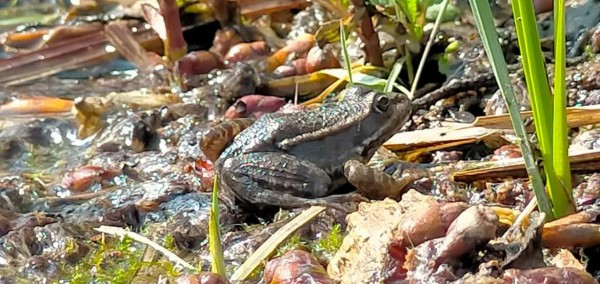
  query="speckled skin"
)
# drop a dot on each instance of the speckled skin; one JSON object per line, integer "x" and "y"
{"x": 295, "y": 159}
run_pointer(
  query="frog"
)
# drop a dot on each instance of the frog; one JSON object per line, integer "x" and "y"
{"x": 295, "y": 159}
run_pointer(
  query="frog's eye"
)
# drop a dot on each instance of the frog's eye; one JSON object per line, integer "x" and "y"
{"x": 382, "y": 103}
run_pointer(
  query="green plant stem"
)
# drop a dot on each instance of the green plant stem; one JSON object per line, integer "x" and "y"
{"x": 436, "y": 26}
{"x": 541, "y": 103}
{"x": 409, "y": 65}
{"x": 535, "y": 71}
{"x": 560, "y": 148}
{"x": 396, "y": 69}
{"x": 214, "y": 234}
{"x": 345, "y": 52}
{"x": 486, "y": 27}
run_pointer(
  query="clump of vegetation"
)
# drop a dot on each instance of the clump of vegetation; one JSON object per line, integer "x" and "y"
{"x": 293, "y": 242}
{"x": 549, "y": 109}
{"x": 115, "y": 260}
{"x": 413, "y": 15}
{"x": 323, "y": 248}
{"x": 169, "y": 242}
{"x": 330, "y": 243}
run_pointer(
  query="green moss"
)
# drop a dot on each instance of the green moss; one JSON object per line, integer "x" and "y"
{"x": 115, "y": 260}
{"x": 291, "y": 243}
{"x": 257, "y": 274}
{"x": 331, "y": 242}
{"x": 324, "y": 247}
{"x": 169, "y": 242}
{"x": 71, "y": 246}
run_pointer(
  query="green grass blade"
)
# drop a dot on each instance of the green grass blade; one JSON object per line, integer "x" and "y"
{"x": 389, "y": 86}
{"x": 345, "y": 52}
{"x": 214, "y": 234}
{"x": 411, "y": 8}
{"x": 436, "y": 26}
{"x": 560, "y": 149}
{"x": 542, "y": 106}
{"x": 485, "y": 24}
{"x": 535, "y": 72}
{"x": 409, "y": 66}
{"x": 398, "y": 10}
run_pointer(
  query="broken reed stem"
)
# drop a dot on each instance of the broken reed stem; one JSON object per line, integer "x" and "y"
{"x": 116, "y": 231}
{"x": 524, "y": 214}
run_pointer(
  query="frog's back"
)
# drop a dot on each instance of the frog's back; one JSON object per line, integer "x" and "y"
{"x": 254, "y": 136}
{"x": 324, "y": 135}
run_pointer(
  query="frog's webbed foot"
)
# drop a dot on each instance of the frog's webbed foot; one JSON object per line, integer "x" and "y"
{"x": 377, "y": 184}
{"x": 277, "y": 179}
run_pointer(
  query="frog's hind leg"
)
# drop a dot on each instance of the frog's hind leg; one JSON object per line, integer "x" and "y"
{"x": 278, "y": 179}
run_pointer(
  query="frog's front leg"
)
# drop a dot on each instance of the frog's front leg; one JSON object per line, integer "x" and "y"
{"x": 279, "y": 179}
{"x": 377, "y": 184}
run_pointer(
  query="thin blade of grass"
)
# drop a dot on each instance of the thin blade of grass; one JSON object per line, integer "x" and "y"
{"x": 561, "y": 144}
{"x": 116, "y": 231}
{"x": 409, "y": 66}
{"x": 214, "y": 234}
{"x": 535, "y": 71}
{"x": 540, "y": 97}
{"x": 345, "y": 52}
{"x": 436, "y": 25}
{"x": 396, "y": 69}
{"x": 485, "y": 24}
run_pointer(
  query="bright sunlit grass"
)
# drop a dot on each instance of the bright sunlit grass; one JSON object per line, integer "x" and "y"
{"x": 214, "y": 234}
{"x": 549, "y": 111}
{"x": 560, "y": 148}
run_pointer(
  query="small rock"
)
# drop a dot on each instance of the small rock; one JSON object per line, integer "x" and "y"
{"x": 548, "y": 275}
{"x": 589, "y": 191}
{"x": 430, "y": 261}
{"x": 586, "y": 141}
{"x": 363, "y": 256}
{"x": 295, "y": 267}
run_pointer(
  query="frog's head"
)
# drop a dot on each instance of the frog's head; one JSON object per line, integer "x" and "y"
{"x": 387, "y": 113}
